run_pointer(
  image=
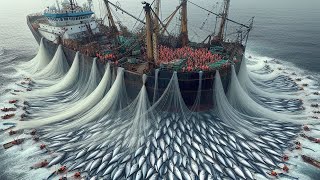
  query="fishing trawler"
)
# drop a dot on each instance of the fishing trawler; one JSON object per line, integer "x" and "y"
{"x": 152, "y": 50}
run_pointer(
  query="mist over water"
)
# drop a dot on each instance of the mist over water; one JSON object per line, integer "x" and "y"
{"x": 286, "y": 31}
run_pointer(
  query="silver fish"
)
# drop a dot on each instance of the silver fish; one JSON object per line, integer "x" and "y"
{"x": 159, "y": 164}
{"x": 238, "y": 171}
{"x": 152, "y": 159}
{"x": 116, "y": 151}
{"x": 57, "y": 159}
{"x": 202, "y": 175}
{"x": 134, "y": 169}
{"x": 170, "y": 175}
{"x": 92, "y": 147}
{"x": 100, "y": 154}
{"x": 176, "y": 147}
{"x": 126, "y": 158}
{"x": 127, "y": 169}
{"x": 118, "y": 173}
{"x": 107, "y": 157}
{"x": 109, "y": 169}
{"x": 230, "y": 173}
{"x": 194, "y": 167}
{"x": 144, "y": 169}
{"x": 248, "y": 173}
{"x": 79, "y": 166}
{"x": 149, "y": 173}
{"x": 141, "y": 160}
{"x": 87, "y": 168}
{"x": 138, "y": 151}
{"x": 115, "y": 158}
{"x": 139, "y": 175}
{"x": 93, "y": 154}
{"x": 217, "y": 167}
{"x": 177, "y": 173}
{"x": 102, "y": 167}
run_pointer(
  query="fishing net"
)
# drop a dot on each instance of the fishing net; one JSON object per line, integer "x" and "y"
{"x": 38, "y": 63}
{"x": 77, "y": 108}
{"x": 85, "y": 84}
{"x": 54, "y": 71}
{"x": 241, "y": 101}
{"x": 235, "y": 119}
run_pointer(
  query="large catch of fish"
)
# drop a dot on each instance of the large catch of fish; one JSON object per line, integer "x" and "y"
{"x": 76, "y": 122}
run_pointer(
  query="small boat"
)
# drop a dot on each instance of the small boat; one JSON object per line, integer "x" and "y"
{"x": 41, "y": 164}
{"x": 23, "y": 116}
{"x": 13, "y": 143}
{"x": 13, "y": 101}
{"x": 9, "y": 124}
{"x": 12, "y": 132}
{"x": 7, "y": 116}
{"x": 61, "y": 170}
{"x": 311, "y": 161}
{"x": 26, "y": 103}
{"x": 315, "y": 140}
{"x": 8, "y": 109}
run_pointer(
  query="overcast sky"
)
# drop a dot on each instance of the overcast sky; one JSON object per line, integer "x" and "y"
{"x": 300, "y": 4}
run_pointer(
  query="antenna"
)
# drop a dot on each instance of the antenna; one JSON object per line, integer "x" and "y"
{"x": 58, "y": 5}
{"x": 72, "y": 4}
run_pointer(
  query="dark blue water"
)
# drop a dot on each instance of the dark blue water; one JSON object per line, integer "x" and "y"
{"x": 288, "y": 34}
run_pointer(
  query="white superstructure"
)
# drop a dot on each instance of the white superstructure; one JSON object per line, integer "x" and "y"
{"x": 68, "y": 21}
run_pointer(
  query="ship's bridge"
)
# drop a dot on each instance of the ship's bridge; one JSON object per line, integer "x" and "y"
{"x": 68, "y": 17}
{"x": 68, "y": 22}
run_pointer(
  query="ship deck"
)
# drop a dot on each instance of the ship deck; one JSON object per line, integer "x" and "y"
{"x": 188, "y": 81}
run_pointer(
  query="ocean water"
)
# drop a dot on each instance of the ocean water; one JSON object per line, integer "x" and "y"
{"x": 287, "y": 31}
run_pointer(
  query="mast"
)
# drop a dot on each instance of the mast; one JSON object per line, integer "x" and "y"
{"x": 157, "y": 8}
{"x": 184, "y": 23}
{"x": 147, "y": 9}
{"x": 224, "y": 19}
{"x": 112, "y": 24}
{"x": 72, "y": 4}
{"x": 156, "y": 30}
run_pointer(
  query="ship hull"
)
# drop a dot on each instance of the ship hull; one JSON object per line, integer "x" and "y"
{"x": 188, "y": 81}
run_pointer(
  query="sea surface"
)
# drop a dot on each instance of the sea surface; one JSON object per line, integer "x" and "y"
{"x": 287, "y": 31}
